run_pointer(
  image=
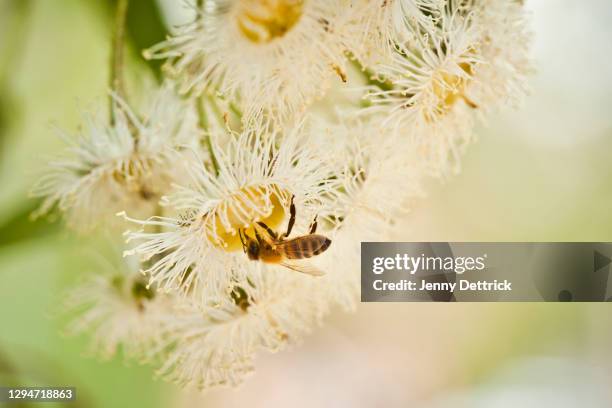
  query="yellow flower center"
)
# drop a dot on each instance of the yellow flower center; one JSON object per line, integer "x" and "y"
{"x": 449, "y": 88}
{"x": 240, "y": 211}
{"x": 134, "y": 175}
{"x": 262, "y": 21}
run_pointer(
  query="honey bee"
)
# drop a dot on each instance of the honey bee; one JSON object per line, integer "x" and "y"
{"x": 269, "y": 247}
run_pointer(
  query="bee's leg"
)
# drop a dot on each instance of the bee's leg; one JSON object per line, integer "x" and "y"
{"x": 242, "y": 240}
{"x": 313, "y": 226}
{"x": 258, "y": 237}
{"x": 268, "y": 229}
{"x": 291, "y": 218}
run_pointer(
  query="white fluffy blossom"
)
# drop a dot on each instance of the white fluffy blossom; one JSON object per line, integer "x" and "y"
{"x": 273, "y": 55}
{"x": 125, "y": 165}
{"x": 216, "y": 345}
{"x": 117, "y": 310}
{"x": 379, "y": 180}
{"x": 450, "y": 59}
{"x": 194, "y": 184}
{"x": 199, "y": 249}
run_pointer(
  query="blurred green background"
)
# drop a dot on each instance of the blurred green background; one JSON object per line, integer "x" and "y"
{"x": 539, "y": 173}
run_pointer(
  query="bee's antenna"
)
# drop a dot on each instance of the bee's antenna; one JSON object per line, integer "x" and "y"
{"x": 258, "y": 237}
{"x": 313, "y": 225}
{"x": 291, "y": 216}
{"x": 242, "y": 240}
{"x": 268, "y": 229}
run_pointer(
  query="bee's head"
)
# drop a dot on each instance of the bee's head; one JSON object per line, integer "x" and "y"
{"x": 253, "y": 250}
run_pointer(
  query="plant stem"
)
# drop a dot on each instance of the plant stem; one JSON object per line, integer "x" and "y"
{"x": 216, "y": 110}
{"x": 117, "y": 55}
{"x": 203, "y": 124}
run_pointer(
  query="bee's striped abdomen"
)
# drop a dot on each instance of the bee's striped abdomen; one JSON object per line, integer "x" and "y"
{"x": 305, "y": 247}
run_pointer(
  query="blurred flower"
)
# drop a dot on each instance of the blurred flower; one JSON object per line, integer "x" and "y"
{"x": 504, "y": 48}
{"x": 273, "y": 55}
{"x": 118, "y": 310}
{"x": 383, "y": 25}
{"x": 215, "y": 345}
{"x": 378, "y": 183}
{"x": 448, "y": 60}
{"x": 124, "y": 165}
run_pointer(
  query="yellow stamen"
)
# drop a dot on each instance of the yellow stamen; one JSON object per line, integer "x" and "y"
{"x": 133, "y": 176}
{"x": 241, "y": 210}
{"x": 262, "y": 21}
{"x": 449, "y": 88}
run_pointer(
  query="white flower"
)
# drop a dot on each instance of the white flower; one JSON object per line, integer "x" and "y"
{"x": 200, "y": 249}
{"x": 117, "y": 310}
{"x": 203, "y": 310}
{"x": 209, "y": 346}
{"x": 273, "y": 55}
{"x": 380, "y": 179}
{"x": 382, "y": 26}
{"x": 505, "y": 49}
{"x": 121, "y": 166}
{"x": 450, "y": 59}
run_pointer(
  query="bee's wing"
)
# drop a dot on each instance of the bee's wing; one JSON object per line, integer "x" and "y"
{"x": 302, "y": 267}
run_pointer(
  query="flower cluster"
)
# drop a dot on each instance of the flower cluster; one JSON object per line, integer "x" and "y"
{"x": 286, "y": 132}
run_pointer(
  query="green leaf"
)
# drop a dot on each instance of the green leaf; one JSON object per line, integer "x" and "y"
{"x": 145, "y": 27}
{"x": 20, "y": 226}
{"x": 13, "y": 25}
